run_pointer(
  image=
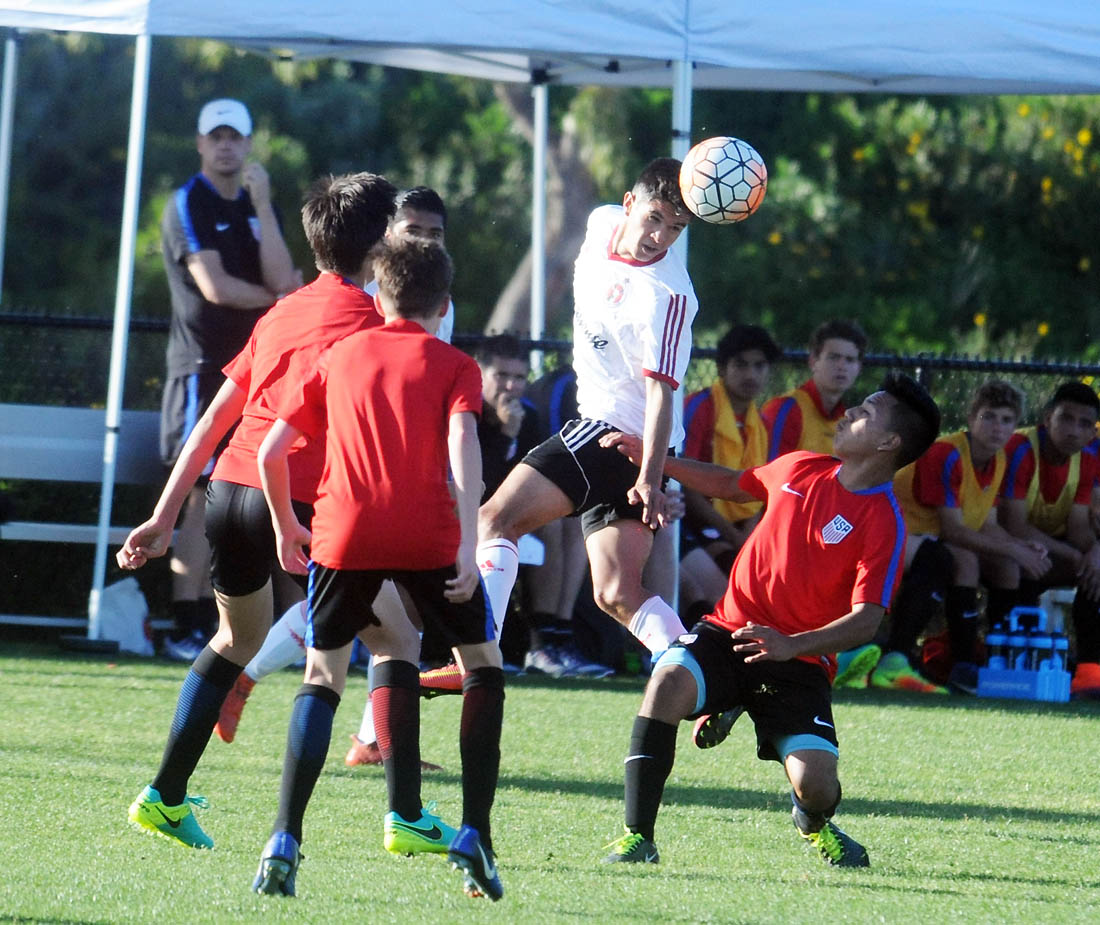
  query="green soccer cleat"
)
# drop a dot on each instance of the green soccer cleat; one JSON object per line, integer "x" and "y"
{"x": 854, "y": 665}
{"x": 427, "y": 835}
{"x": 893, "y": 672}
{"x": 839, "y": 849}
{"x": 632, "y": 848}
{"x": 174, "y": 822}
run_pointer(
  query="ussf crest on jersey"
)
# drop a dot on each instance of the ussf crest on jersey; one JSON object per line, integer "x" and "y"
{"x": 835, "y": 530}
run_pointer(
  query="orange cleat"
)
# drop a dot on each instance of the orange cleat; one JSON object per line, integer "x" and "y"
{"x": 1086, "y": 681}
{"x": 230, "y": 714}
{"x": 370, "y": 753}
{"x": 445, "y": 680}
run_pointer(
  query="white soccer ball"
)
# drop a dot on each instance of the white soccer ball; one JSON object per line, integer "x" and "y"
{"x": 723, "y": 180}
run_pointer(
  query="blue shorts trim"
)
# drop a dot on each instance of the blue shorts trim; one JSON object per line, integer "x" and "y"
{"x": 784, "y": 745}
{"x": 678, "y": 655}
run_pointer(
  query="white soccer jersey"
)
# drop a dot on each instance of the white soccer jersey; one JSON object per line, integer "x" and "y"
{"x": 631, "y": 320}
{"x": 446, "y": 326}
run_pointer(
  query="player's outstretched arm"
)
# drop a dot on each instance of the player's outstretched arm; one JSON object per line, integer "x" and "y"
{"x": 291, "y": 538}
{"x": 705, "y": 478}
{"x": 152, "y": 538}
{"x": 464, "y": 454}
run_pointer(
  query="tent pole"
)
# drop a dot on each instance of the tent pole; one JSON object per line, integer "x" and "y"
{"x": 121, "y": 330}
{"x": 681, "y": 142}
{"x": 540, "y": 91}
{"x": 7, "y": 108}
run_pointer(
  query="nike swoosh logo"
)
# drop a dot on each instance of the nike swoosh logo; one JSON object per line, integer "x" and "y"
{"x": 490, "y": 870}
{"x": 174, "y": 823}
{"x": 221, "y": 226}
{"x": 651, "y": 857}
{"x": 786, "y": 486}
{"x": 820, "y": 722}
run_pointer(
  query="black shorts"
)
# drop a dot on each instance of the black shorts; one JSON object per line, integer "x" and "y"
{"x": 594, "y": 479}
{"x": 185, "y": 400}
{"x": 784, "y": 699}
{"x": 340, "y": 605}
{"x": 242, "y": 540}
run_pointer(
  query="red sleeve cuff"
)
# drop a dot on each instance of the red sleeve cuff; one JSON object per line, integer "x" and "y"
{"x": 661, "y": 377}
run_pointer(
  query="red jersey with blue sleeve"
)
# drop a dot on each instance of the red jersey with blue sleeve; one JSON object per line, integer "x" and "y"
{"x": 818, "y": 551}
{"x": 382, "y": 399}
{"x": 1052, "y": 476}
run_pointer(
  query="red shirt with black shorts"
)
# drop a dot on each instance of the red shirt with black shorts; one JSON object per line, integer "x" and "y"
{"x": 818, "y": 551}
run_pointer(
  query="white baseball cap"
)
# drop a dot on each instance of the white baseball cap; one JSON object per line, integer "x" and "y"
{"x": 225, "y": 112}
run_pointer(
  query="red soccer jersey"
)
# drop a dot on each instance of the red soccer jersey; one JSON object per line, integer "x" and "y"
{"x": 797, "y": 420}
{"x": 819, "y": 550}
{"x": 282, "y": 350}
{"x": 939, "y": 476}
{"x": 383, "y": 399}
{"x": 1052, "y": 478}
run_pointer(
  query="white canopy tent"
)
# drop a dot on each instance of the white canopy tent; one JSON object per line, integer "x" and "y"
{"x": 888, "y": 46}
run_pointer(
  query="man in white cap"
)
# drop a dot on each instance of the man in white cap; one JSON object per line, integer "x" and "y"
{"x": 227, "y": 263}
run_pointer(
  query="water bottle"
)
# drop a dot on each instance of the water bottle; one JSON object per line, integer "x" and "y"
{"x": 996, "y": 644}
{"x": 1040, "y": 646}
{"x": 1060, "y": 651}
{"x": 1017, "y": 649}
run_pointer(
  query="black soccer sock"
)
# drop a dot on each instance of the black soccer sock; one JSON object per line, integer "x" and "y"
{"x": 921, "y": 593}
{"x": 395, "y": 701}
{"x": 652, "y": 753}
{"x": 207, "y": 683}
{"x": 813, "y": 820}
{"x": 479, "y": 744}
{"x": 962, "y": 622}
{"x": 307, "y": 742}
{"x": 999, "y": 603}
{"x": 1085, "y": 615}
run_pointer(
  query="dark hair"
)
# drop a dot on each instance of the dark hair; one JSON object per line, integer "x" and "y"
{"x": 660, "y": 180}
{"x": 915, "y": 418}
{"x": 742, "y": 337}
{"x": 423, "y": 199}
{"x": 996, "y": 393}
{"x": 840, "y": 329}
{"x": 1076, "y": 392}
{"x": 505, "y": 346}
{"x": 415, "y": 274}
{"x": 344, "y": 217}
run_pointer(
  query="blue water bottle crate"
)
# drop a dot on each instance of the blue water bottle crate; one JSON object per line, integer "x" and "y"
{"x": 1027, "y": 662}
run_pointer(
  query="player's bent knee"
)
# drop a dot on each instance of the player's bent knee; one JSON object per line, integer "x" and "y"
{"x": 673, "y": 692}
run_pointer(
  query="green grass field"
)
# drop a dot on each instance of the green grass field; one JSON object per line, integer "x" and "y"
{"x": 972, "y": 811}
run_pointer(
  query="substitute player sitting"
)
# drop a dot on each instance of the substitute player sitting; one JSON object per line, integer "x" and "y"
{"x": 814, "y": 577}
{"x": 396, "y": 407}
{"x": 634, "y": 305}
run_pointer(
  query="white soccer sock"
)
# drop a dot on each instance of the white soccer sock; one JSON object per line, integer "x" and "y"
{"x": 656, "y": 625}
{"x": 366, "y": 733}
{"x": 284, "y": 645}
{"x": 498, "y": 561}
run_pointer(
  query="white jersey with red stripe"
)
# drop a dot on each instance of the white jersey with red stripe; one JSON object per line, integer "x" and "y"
{"x": 631, "y": 321}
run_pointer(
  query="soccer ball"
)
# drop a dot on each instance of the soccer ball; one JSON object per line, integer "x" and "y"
{"x": 723, "y": 180}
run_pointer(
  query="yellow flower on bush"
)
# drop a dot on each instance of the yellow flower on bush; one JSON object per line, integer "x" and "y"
{"x": 979, "y": 319}
{"x": 1043, "y": 329}
{"x": 1084, "y": 137}
{"x": 1023, "y": 110}
{"x": 776, "y": 237}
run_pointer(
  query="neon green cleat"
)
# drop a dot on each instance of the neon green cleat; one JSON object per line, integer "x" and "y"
{"x": 174, "y": 822}
{"x": 427, "y": 835}
{"x": 632, "y": 848}
{"x": 853, "y": 666}
{"x": 836, "y": 847}
{"x": 894, "y": 673}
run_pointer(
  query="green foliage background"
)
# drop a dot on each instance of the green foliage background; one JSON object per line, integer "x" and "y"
{"x": 949, "y": 223}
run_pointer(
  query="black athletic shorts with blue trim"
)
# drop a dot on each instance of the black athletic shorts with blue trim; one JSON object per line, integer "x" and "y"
{"x": 243, "y": 552}
{"x": 594, "y": 479}
{"x": 340, "y": 605}
{"x": 786, "y": 700}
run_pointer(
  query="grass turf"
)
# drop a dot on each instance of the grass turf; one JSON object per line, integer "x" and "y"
{"x": 971, "y": 810}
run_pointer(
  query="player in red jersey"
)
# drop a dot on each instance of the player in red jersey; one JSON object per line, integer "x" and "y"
{"x": 814, "y": 577}
{"x": 1052, "y": 469}
{"x": 344, "y": 218}
{"x": 396, "y": 406}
